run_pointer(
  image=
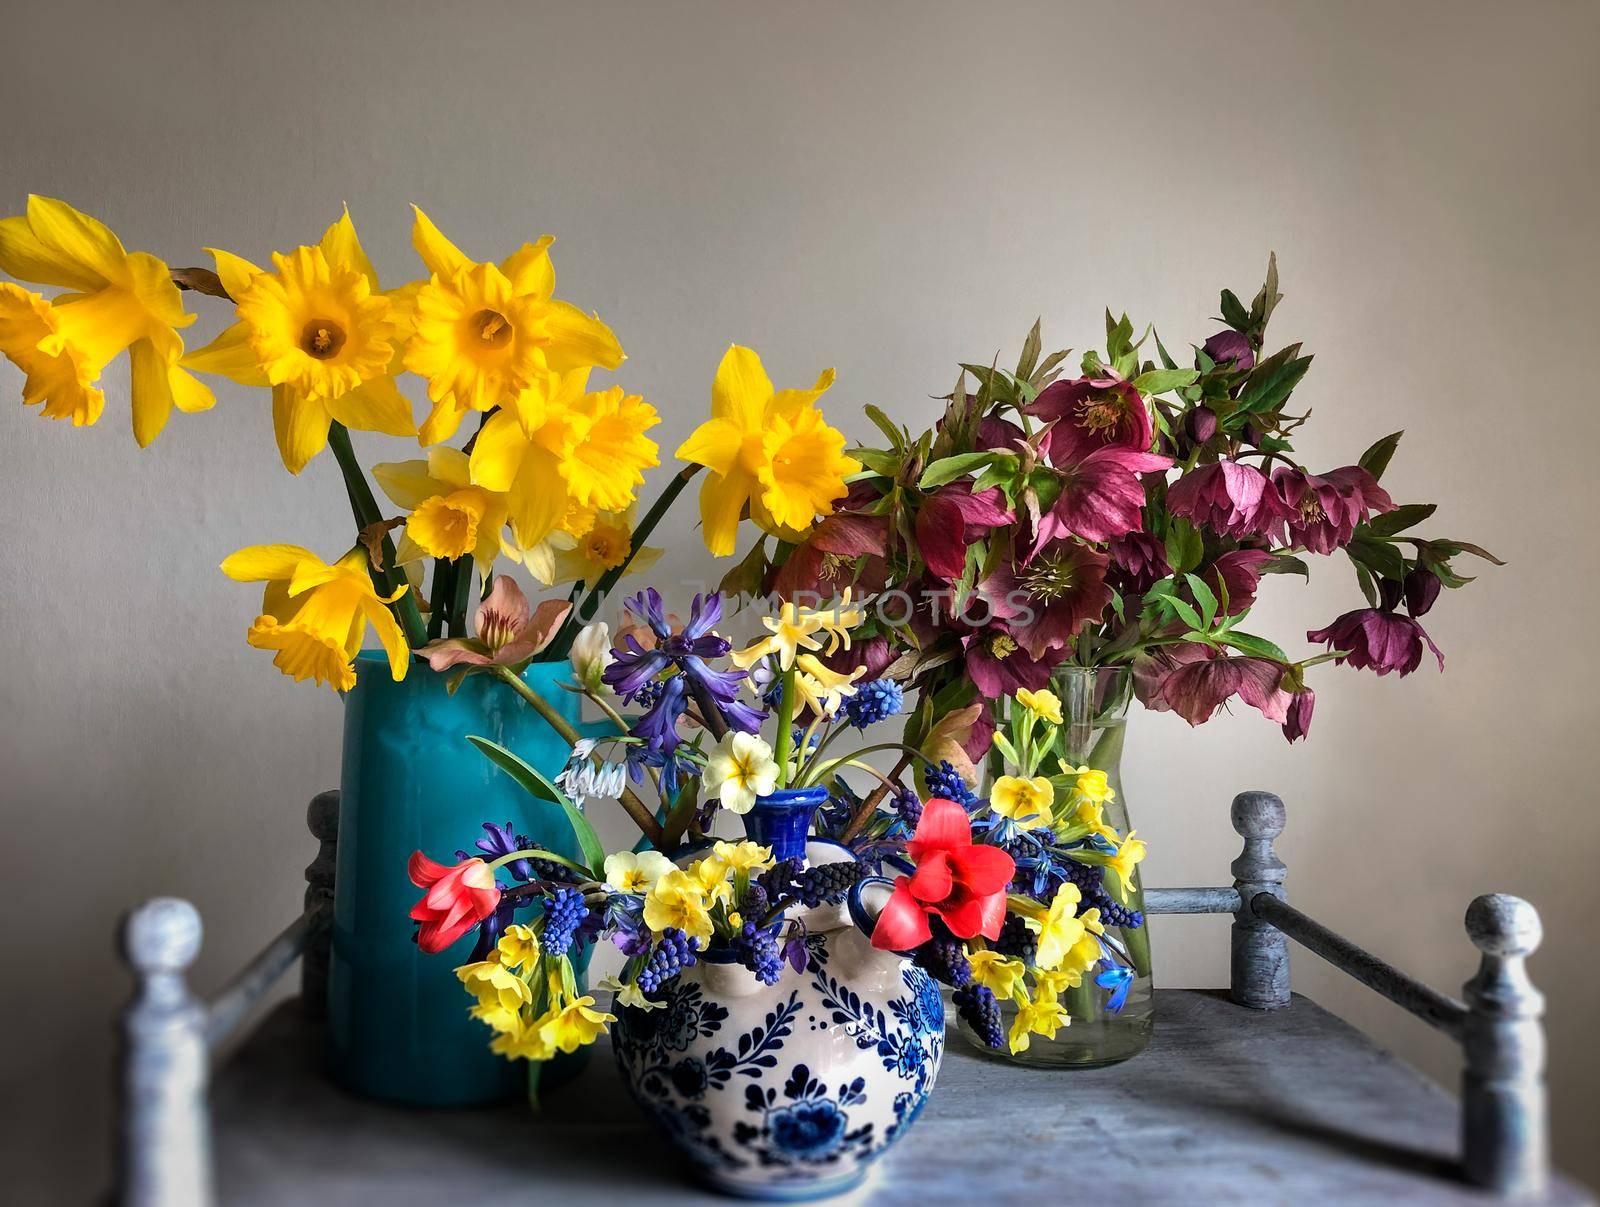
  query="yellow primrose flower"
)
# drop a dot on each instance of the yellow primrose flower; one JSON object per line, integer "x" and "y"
{"x": 630, "y": 995}
{"x": 117, "y": 301}
{"x": 321, "y": 333}
{"x": 636, "y": 871}
{"x": 1044, "y": 704}
{"x": 482, "y": 332}
{"x": 1048, "y": 986}
{"x": 821, "y": 688}
{"x": 768, "y": 450}
{"x": 315, "y": 614}
{"x": 678, "y": 900}
{"x": 524, "y": 1042}
{"x": 1091, "y": 784}
{"x": 739, "y": 770}
{"x": 501, "y": 994}
{"x": 1041, "y": 1016}
{"x": 1059, "y": 927}
{"x": 518, "y": 945}
{"x": 743, "y": 856}
{"x": 1025, "y": 801}
{"x": 714, "y": 879}
{"x": 557, "y": 444}
{"x": 449, "y": 516}
{"x": 574, "y": 1025}
{"x": 603, "y": 547}
{"x": 1001, "y": 974}
{"x": 1129, "y": 855}
{"x": 1091, "y": 815}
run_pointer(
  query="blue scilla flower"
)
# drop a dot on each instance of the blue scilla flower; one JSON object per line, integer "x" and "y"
{"x": 1119, "y": 980}
{"x": 873, "y": 702}
{"x": 945, "y": 781}
{"x": 564, "y": 913}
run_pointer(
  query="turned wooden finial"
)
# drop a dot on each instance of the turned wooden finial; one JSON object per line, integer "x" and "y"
{"x": 1260, "y": 965}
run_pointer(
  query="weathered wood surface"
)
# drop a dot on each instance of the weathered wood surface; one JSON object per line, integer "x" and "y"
{"x": 1227, "y": 1105}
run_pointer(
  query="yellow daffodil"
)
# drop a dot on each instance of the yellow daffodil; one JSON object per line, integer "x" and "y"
{"x": 605, "y": 546}
{"x": 636, "y": 871}
{"x": 795, "y": 629}
{"x": 480, "y": 332}
{"x": 1042, "y": 1016}
{"x": 743, "y": 856}
{"x": 1091, "y": 784}
{"x": 1129, "y": 855}
{"x": 519, "y": 945}
{"x": 770, "y": 451}
{"x": 1044, "y": 704}
{"x": 558, "y": 445}
{"x": 1025, "y": 801}
{"x": 1002, "y": 974}
{"x": 678, "y": 900}
{"x": 1058, "y": 926}
{"x": 116, "y": 301}
{"x": 574, "y": 1025}
{"x": 740, "y": 769}
{"x": 315, "y": 614}
{"x": 449, "y": 516}
{"x": 321, "y": 333}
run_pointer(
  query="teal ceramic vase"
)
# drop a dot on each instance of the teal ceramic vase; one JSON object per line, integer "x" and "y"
{"x": 397, "y": 1019}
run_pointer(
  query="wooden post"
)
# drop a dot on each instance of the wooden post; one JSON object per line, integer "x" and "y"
{"x": 323, "y": 818}
{"x": 1505, "y": 1142}
{"x": 164, "y": 1138}
{"x": 1260, "y": 973}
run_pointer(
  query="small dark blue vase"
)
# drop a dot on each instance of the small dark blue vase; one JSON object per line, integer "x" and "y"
{"x": 782, "y": 820}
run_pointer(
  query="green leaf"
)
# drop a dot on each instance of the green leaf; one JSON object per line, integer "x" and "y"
{"x": 1166, "y": 358}
{"x": 1204, "y": 597}
{"x": 1382, "y": 558}
{"x": 948, "y": 469}
{"x": 883, "y": 423}
{"x": 1376, "y": 459}
{"x": 1260, "y": 647}
{"x": 1031, "y": 348}
{"x": 1401, "y": 518}
{"x": 537, "y": 784}
{"x": 878, "y": 460}
{"x": 1233, "y": 311}
{"x": 1159, "y": 381}
{"x": 1265, "y": 392}
{"x": 1186, "y": 613}
{"x": 1185, "y": 545}
{"x": 1284, "y": 563}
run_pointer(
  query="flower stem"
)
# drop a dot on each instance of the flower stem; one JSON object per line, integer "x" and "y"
{"x": 785, "y": 728}
{"x": 873, "y": 799}
{"x": 461, "y": 591}
{"x": 584, "y": 612}
{"x": 438, "y": 604}
{"x": 631, "y": 804}
{"x": 365, "y": 508}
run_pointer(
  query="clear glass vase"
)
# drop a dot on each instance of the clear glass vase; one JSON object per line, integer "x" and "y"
{"x": 1094, "y": 709}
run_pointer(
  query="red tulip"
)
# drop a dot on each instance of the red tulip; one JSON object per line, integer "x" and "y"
{"x": 457, "y": 899}
{"x": 965, "y": 884}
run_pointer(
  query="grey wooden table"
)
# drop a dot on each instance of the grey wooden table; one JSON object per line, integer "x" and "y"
{"x": 1253, "y": 1095}
{"x": 1226, "y": 1105}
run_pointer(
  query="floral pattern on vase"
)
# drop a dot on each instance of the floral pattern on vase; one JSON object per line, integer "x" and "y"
{"x": 789, "y": 1091}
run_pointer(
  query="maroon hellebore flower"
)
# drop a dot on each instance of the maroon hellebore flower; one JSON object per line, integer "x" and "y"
{"x": 1101, "y": 496}
{"x": 1226, "y": 346}
{"x": 1421, "y": 588}
{"x": 1321, "y": 513}
{"x": 1045, "y": 603}
{"x": 1197, "y": 689}
{"x": 1238, "y": 572}
{"x": 1091, "y": 413}
{"x": 1379, "y": 639}
{"x": 999, "y": 666}
{"x": 1138, "y": 562}
{"x": 1228, "y": 497}
{"x": 826, "y": 562}
{"x": 953, "y": 517}
{"x": 1297, "y": 722}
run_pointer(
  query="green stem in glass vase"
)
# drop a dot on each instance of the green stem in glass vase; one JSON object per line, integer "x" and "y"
{"x": 365, "y": 508}
{"x": 782, "y": 751}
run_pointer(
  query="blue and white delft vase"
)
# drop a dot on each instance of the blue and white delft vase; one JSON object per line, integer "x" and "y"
{"x": 789, "y": 1091}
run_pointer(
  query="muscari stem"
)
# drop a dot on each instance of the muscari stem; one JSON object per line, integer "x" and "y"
{"x": 631, "y": 804}
{"x": 873, "y": 799}
{"x": 365, "y": 508}
{"x": 590, "y": 604}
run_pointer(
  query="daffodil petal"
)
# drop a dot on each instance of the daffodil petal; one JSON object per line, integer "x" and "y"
{"x": 235, "y": 272}
{"x": 578, "y": 340}
{"x": 450, "y": 466}
{"x": 714, "y": 444}
{"x": 407, "y": 483}
{"x": 390, "y": 634}
{"x": 374, "y": 406}
{"x": 23, "y": 256}
{"x": 787, "y": 402}
{"x": 301, "y": 426}
{"x": 529, "y": 269}
{"x": 151, "y": 392}
{"x": 441, "y": 423}
{"x": 266, "y": 563}
{"x": 441, "y": 256}
{"x": 722, "y": 498}
{"x": 229, "y": 355}
{"x": 76, "y": 238}
{"x": 498, "y": 452}
{"x": 343, "y": 248}
{"x": 741, "y": 389}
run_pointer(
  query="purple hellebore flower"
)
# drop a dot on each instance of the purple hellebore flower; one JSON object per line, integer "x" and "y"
{"x": 1297, "y": 721}
{"x": 1045, "y": 603}
{"x": 1321, "y": 513}
{"x": 1101, "y": 496}
{"x": 1091, "y": 413}
{"x": 1228, "y": 497}
{"x": 1238, "y": 572}
{"x": 953, "y": 517}
{"x": 1197, "y": 689}
{"x": 1230, "y": 346}
{"x": 1138, "y": 561}
{"x": 1379, "y": 639}
{"x": 1421, "y": 589}
{"x": 998, "y": 666}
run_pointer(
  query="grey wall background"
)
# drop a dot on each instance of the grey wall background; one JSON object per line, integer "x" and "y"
{"x": 886, "y": 188}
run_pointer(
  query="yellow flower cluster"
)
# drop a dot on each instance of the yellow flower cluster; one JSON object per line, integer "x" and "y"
{"x": 695, "y": 899}
{"x": 531, "y": 1004}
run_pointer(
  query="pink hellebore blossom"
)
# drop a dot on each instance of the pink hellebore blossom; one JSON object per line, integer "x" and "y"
{"x": 1138, "y": 561}
{"x": 1238, "y": 572}
{"x": 508, "y": 631}
{"x": 1321, "y": 513}
{"x": 1197, "y": 689}
{"x": 953, "y": 517}
{"x": 1101, "y": 496}
{"x": 1378, "y": 639}
{"x": 1228, "y": 497}
{"x": 1091, "y": 413}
